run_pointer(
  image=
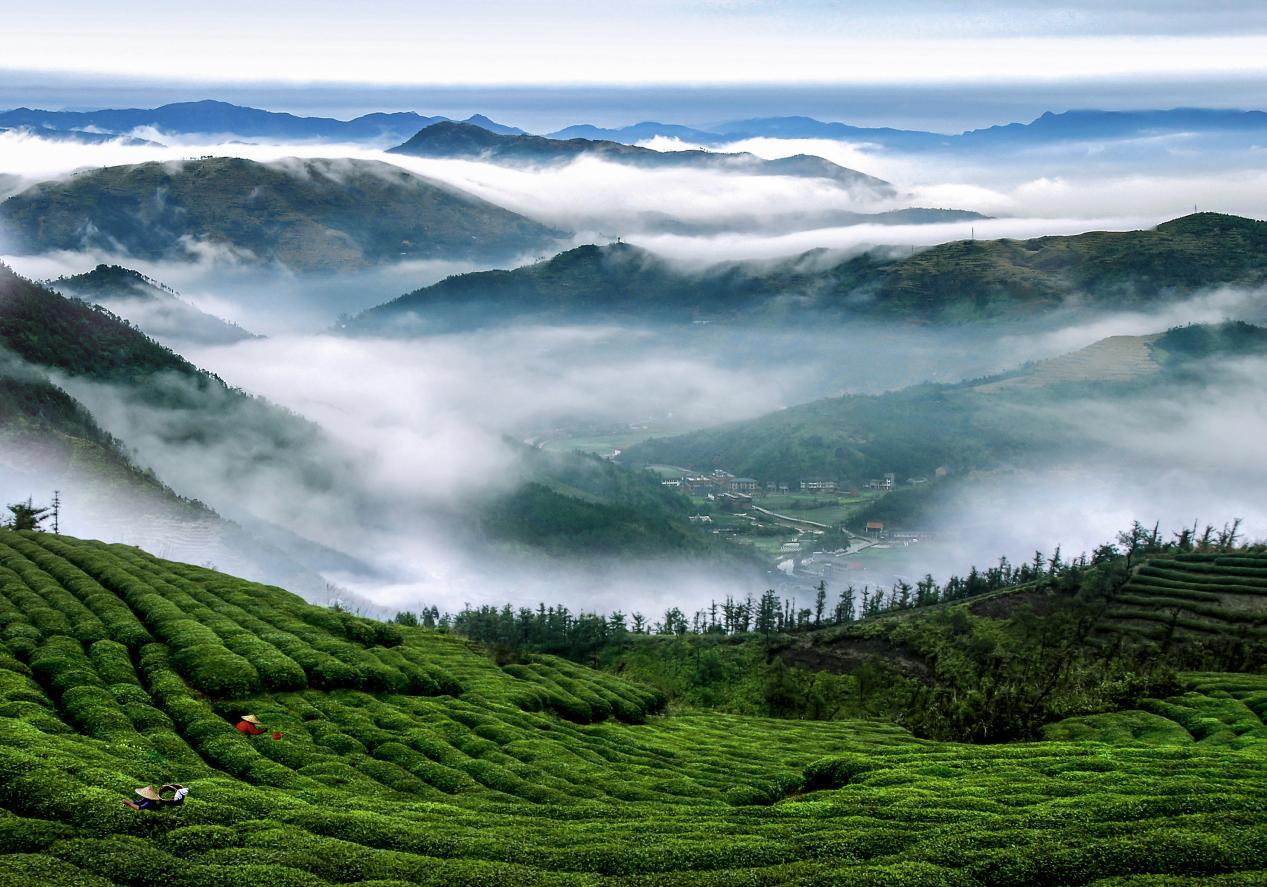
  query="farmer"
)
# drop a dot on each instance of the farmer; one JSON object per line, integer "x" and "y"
{"x": 152, "y": 797}
{"x": 250, "y": 725}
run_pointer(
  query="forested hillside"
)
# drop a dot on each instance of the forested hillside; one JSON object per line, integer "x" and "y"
{"x": 308, "y": 215}
{"x": 407, "y": 756}
{"x": 956, "y": 282}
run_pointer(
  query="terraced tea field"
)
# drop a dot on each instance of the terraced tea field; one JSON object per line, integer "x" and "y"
{"x": 1205, "y": 595}
{"x": 412, "y": 757}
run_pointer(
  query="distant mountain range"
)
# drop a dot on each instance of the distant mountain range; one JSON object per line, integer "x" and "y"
{"x": 213, "y": 118}
{"x": 223, "y": 119}
{"x": 1049, "y": 128}
{"x": 468, "y": 141}
{"x": 155, "y": 309}
{"x": 309, "y": 215}
{"x": 955, "y": 282}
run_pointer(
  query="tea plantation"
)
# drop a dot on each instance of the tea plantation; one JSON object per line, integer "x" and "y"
{"x": 412, "y": 757}
{"x": 1196, "y": 595}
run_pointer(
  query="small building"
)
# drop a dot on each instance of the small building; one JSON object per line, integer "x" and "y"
{"x": 875, "y": 528}
{"x": 699, "y": 484}
{"x": 700, "y": 519}
{"x": 818, "y": 485}
{"x": 746, "y": 485}
{"x": 734, "y": 501}
{"x": 671, "y": 482}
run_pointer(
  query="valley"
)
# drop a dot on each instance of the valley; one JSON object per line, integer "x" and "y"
{"x": 420, "y": 481}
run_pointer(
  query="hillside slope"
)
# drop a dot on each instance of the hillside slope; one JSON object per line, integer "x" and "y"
{"x": 409, "y": 756}
{"x": 154, "y": 308}
{"x": 309, "y": 215}
{"x": 964, "y": 281}
{"x": 1014, "y": 419}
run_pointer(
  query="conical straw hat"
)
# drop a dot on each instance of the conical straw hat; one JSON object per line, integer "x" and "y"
{"x": 148, "y": 793}
{"x": 252, "y": 719}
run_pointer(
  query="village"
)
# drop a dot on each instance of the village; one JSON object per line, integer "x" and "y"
{"x": 811, "y": 530}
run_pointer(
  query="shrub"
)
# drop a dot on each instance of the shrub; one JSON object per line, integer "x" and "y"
{"x": 19, "y": 834}
{"x": 193, "y": 839}
{"x": 216, "y": 671}
{"x": 836, "y": 771}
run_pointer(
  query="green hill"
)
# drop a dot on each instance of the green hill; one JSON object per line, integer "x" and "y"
{"x": 409, "y": 756}
{"x": 952, "y": 283}
{"x": 306, "y": 214}
{"x": 154, "y": 308}
{"x": 1011, "y": 420}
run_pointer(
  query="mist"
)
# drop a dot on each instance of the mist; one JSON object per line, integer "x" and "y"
{"x": 415, "y": 435}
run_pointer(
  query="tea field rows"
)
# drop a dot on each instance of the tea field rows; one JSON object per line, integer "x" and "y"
{"x": 412, "y": 757}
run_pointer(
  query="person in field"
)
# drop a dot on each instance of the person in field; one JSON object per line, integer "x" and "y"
{"x": 250, "y": 726}
{"x": 170, "y": 795}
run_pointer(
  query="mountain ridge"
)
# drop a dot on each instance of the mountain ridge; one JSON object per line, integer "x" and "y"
{"x": 463, "y": 140}
{"x": 953, "y": 282}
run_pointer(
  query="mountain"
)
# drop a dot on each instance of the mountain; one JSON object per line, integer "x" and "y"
{"x": 637, "y": 132}
{"x": 154, "y": 308}
{"x": 309, "y": 215}
{"x": 1094, "y": 125}
{"x": 221, "y": 119}
{"x": 1049, "y": 128}
{"x": 464, "y": 140}
{"x": 1022, "y": 419}
{"x": 954, "y": 282}
{"x": 79, "y": 137}
{"x": 400, "y": 754}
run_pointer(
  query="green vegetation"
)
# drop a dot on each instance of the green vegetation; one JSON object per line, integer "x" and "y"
{"x": 309, "y": 215}
{"x": 580, "y": 505}
{"x": 951, "y": 283}
{"x": 409, "y": 756}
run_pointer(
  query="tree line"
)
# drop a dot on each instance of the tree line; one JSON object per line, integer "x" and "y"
{"x": 580, "y": 635}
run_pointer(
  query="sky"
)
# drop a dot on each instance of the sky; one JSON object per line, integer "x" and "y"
{"x": 646, "y": 42}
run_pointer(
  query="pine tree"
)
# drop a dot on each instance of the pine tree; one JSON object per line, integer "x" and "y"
{"x": 26, "y": 516}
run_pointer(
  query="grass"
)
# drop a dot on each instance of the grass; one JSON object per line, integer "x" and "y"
{"x": 413, "y": 757}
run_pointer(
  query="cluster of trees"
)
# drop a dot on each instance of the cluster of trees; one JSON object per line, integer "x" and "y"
{"x": 558, "y": 630}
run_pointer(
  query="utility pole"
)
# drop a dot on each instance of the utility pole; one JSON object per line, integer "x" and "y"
{"x": 57, "y": 511}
